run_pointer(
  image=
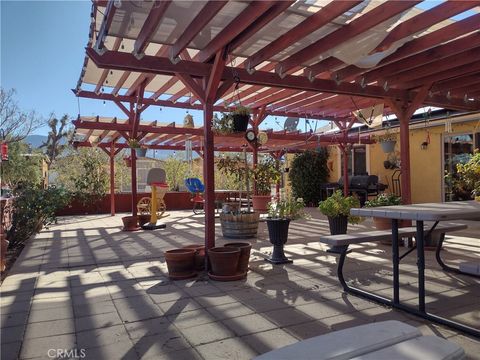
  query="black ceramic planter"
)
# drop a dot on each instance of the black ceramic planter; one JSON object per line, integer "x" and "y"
{"x": 278, "y": 233}
{"x": 338, "y": 225}
{"x": 240, "y": 122}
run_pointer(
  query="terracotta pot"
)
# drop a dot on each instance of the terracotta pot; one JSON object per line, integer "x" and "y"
{"x": 180, "y": 263}
{"x": 130, "y": 223}
{"x": 143, "y": 219}
{"x": 224, "y": 260}
{"x": 199, "y": 255}
{"x": 386, "y": 224}
{"x": 260, "y": 202}
{"x": 245, "y": 249}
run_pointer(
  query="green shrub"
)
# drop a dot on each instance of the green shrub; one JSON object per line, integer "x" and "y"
{"x": 339, "y": 205}
{"x": 266, "y": 174}
{"x": 307, "y": 172}
{"x": 33, "y": 208}
{"x": 384, "y": 200}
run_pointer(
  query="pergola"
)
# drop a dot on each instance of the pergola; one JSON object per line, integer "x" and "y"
{"x": 315, "y": 59}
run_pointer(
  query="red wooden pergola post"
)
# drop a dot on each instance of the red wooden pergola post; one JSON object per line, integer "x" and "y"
{"x": 209, "y": 177}
{"x": 112, "y": 179}
{"x": 404, "y": 111}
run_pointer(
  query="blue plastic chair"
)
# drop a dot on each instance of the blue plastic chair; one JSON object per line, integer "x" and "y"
{"x": 195, "y": 186}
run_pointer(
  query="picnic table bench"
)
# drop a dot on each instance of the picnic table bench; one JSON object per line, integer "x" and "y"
{"x": 383, "y": 340}
{"x": 340, "y": 243}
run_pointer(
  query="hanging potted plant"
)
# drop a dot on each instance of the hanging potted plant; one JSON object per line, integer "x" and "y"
{"x": 265, "y": 174}
{"x": 337, "y": 209}
{"x": 280, "y": 213}
{"x": 387, "y": 141}
{"x": 240, "y": 116}
{"x": 140, "y": 151}
{"x": 237, "y": 223}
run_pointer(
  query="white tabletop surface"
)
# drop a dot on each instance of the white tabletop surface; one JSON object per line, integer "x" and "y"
{"x": 455, "y": 210}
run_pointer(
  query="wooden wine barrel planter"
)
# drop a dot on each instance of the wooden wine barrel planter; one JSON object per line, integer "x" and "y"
{"x": 239, "y": 226}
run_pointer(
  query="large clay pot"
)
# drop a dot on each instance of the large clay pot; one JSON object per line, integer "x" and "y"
{"x": 260, "y": 202}
{"x": 278, "y": 233}
{"x": 338, "y": 225}
{"x": 224, "y": 260}
{"x": 199, "y": 255}
{"x": 180, "y": 263}
{"x": 130, "y": 223}
{"x": 245, "y": 249}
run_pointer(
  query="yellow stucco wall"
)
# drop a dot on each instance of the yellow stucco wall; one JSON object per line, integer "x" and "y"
{"x": 426, "y": 166}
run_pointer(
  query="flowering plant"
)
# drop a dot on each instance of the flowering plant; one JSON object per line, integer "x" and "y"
{"x": 223, "y": 125}
{"x": 133, "y": 143}
{"x": 287, "y": 208}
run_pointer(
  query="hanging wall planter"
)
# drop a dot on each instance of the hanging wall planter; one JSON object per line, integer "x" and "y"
{"x": 140, "y": 152}
{"x": 388, "y": 146}
{"x": 180, "y": 263}
{"x": 240, "y": 122}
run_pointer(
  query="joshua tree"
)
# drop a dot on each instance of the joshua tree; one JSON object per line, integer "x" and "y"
{"x": 57, "y": 138}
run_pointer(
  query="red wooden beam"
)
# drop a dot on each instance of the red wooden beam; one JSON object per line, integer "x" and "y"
{"x": 274, "y": 98}
{"x": 278, "y": 8}
{"x": 436, "y": 67}
{"x": 173, "y": 80}
{"x": 328, "y": 64}
{"x": 191, "y": 86}
{"x": 460, "y": 82}
{"x": 108, "y": 16}
{"x": 214, "y": 78}
{"x": 150, "y": 26}
{"x": 379, "y": 14}
{"x": 207, "y": 13}
{"x": 440, "y": 36}
{"x": 120, "y": 82}
{"x": 411, "y": 63}
{"x": 290, "y": 101}
{"x": 253, "y": 11}
{"x": 314, "y": 22}
{"x": 424, "y": 20}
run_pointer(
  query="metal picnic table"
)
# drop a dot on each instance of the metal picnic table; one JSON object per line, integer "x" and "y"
{"x": 458, "y": 210}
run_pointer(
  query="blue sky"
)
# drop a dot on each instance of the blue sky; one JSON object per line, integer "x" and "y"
{"x": 42, "y": 52}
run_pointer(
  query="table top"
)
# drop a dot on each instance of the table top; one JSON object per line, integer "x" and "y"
{"x": 455, "y": 210}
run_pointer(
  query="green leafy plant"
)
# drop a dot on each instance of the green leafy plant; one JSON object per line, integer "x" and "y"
{"x": 339, "y": 205}
{"x": 133, "y": 143}
{"x": 384, "y": 200}
{"x": 33, "y": 208}
{"x": 235, "y": 166}
{"x": 265, "y": 174}
{"x": 241, "y": 110}
{"x": 468, "y": 175}
{"x": 22, "y": 167}
{"x": 388, "y": 135}
{"x": 223, "y": 125}
{"x": 308, "y": 171}
{"x": 290, "y": 207}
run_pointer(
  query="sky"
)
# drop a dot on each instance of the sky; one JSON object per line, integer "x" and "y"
{"x": 42, "y": 52}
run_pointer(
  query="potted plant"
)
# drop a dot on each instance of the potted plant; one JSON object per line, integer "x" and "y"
{"x": 240, "y": 116}
{"x": 235, "y": 121}
{"x": 387, "y": 141}
{"x": 140, "y": 150}
{"x": 280, "y": 213}
{"x": 237, "y": 223}
{"x": 337, "y": 209}
{"x": 384, "y": 200}
{"x": 264, "y": 174}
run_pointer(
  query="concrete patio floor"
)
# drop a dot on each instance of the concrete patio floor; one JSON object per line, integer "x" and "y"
{"x": 86, "y": 285}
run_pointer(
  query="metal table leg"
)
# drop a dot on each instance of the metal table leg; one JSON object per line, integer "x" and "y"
{"x": 442, "y": 263}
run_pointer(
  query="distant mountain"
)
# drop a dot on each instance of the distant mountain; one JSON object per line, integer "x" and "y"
{"x": 36, "y": 140}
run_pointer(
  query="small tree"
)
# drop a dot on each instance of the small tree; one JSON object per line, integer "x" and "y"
{"x": 176, "y": 170}
{"x": 57, "y": 138}
{"x": 307, "y": 172}
{"x": 15, "y": 123}
{"x": 22, "y": 166}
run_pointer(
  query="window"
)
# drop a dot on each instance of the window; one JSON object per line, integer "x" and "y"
{"x": 357, "y": 160}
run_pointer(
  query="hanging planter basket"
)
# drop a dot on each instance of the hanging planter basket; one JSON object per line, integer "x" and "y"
{"x": 240, "y": 122}
{"x": 140, "y": 152}
{"x": 388, "y": 146}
